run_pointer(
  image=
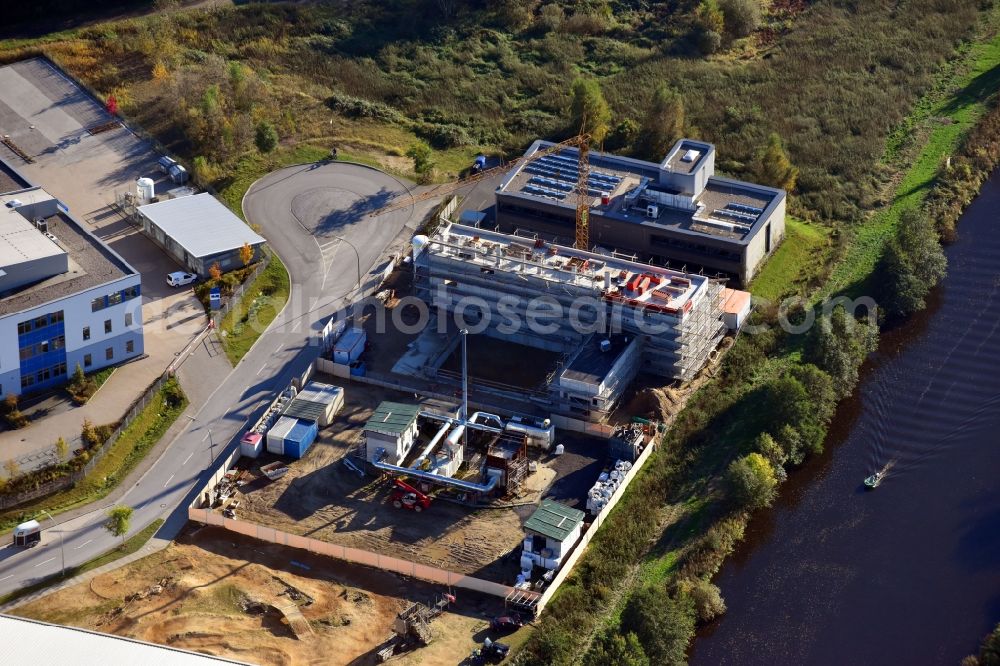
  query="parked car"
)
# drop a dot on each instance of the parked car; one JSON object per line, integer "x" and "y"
{"x": 180, "y": 278}
{"x": 506, "y": 624}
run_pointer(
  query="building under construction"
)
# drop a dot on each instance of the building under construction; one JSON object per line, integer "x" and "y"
{"x": 609, "y": 317}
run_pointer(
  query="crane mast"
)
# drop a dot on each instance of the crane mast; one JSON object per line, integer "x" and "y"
{"x": 580, "y": 142}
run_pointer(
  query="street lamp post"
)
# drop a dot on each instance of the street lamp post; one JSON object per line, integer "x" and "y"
{"x": 356, "y": 254}
{"x": 341, "y": 238}
{"x": 211, "y": 440}
{"x": 62, "y": 549}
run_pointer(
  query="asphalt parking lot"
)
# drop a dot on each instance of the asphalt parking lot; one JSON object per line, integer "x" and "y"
{"x": 48, "y": 116}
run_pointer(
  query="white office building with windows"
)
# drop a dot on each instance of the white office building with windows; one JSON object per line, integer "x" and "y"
{"x": 66, "y": 298}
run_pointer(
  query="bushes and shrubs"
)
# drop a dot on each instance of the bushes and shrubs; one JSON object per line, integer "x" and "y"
{"x": 81, "y": 387}
{"x": 663, "y": 622}
{"x": 12, "y": 416}
{"x": 751, "y": 482}
{"x": 989, "y": 651}
{"x": 960, "y": 177}
{"x": 913, "y": 264}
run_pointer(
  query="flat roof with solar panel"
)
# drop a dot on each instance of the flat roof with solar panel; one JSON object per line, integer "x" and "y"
{"x": 681, "y": 191}
{"x": 675, "y": 212}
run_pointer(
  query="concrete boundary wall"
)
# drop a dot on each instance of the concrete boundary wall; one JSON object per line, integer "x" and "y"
{"x": 354, "y": 555}
{"x": 198, "y": 513}
{"x": 577, "y": 553}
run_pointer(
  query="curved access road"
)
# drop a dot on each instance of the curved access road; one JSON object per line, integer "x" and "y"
{"x": 314, "y": 217}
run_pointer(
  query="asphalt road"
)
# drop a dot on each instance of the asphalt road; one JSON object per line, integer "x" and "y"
{"x": 314, "y": 217}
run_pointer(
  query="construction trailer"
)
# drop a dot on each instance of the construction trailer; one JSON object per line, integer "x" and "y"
{"x": 317, "y": 402}
{"x": 619, "y": 317}
{"x": 390, "y": 432}
{"x": 291, "y": 437}
{"x": 549, "y": 535}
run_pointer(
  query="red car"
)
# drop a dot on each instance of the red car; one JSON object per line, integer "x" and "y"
{"x": 506, "y": 624}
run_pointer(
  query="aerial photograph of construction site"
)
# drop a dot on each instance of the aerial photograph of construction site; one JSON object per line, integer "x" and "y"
{"x": 534, "y": 332}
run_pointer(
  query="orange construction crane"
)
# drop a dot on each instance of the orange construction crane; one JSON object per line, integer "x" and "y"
{"x": 583, "y": 196}
{"x": 581, "y": 142}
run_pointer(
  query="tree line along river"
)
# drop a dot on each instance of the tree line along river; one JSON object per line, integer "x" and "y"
{"x": 908, "y": 573}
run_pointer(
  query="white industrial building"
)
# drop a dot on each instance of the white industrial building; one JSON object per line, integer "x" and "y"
{"x": 66, "y": 298}
{"x": 36, "y": 642}
{"x": 198, "y": 231}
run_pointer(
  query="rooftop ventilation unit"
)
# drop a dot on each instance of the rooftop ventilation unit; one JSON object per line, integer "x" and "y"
{"x": 690, "y": 156}
{"x": 652, "y": 212}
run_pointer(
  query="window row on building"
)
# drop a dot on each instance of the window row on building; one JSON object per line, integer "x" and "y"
{"x": 43, "y": 347}
{"x": 108, "y": 326}
{"x": 40, "y": 322}
{"x": 43, "y": 375}
{"x": 114, "y": 298}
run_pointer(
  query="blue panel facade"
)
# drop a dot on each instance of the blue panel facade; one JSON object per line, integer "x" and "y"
{"x": 41, "y": 343}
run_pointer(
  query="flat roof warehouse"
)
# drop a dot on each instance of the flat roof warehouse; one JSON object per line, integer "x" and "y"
{"x": 35, "y": 642}
{"x": 200, "y": 224}
{"x": 49, "y": 234}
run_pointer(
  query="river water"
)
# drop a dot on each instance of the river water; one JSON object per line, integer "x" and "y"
{"x": 908, "y": 573}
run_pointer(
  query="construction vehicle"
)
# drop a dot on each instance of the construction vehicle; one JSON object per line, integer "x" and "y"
{"x": 405, "y": 496}
{"x": 581, "y": 142}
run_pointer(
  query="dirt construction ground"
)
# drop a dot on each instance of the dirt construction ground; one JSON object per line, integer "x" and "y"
{"x": 323, "y": 499}
{"x": 218, "y": 593}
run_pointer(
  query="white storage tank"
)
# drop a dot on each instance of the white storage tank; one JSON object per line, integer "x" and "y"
{"x": 145, "y": 190}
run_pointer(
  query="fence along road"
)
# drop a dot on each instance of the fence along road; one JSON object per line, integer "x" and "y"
{"x": 282, "y": 352}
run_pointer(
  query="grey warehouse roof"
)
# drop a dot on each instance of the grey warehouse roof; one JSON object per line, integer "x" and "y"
{"x": 34, "y": 642}
{"x": 200, "y": 224}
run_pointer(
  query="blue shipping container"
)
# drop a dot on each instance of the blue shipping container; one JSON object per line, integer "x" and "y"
{"x": 300, "y": 438}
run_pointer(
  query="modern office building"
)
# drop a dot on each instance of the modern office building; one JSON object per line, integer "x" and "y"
{"x": 676, "y": 213}
{"x": 66, "y": 298}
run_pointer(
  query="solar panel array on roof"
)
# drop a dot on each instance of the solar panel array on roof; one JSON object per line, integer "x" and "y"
{"x": 743, "y": 208}
{"x": 556, "y": 175}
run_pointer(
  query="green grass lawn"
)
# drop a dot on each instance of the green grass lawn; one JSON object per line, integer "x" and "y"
{"x": 123, "y": 457}
{"x": 132, "y": 545}
{"x": 261, "y": 303}
{"x": 255, "y": 166}
{"x": 801, "y": 257}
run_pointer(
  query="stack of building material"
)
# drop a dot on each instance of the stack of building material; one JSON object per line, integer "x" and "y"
{"x": 607, "y": 484}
